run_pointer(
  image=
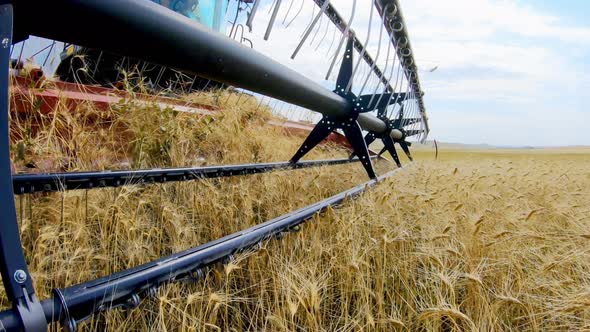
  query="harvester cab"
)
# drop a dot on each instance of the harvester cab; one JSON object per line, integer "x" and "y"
{"x": 210, "y": 13}
{"x": 90, "y": 66}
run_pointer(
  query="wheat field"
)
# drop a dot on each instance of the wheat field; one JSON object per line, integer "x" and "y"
{"x": 476, "y": 240}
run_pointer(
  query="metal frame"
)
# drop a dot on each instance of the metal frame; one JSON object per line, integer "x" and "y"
{"x": 13, "y": 267}
{"x": 407, "y": 57}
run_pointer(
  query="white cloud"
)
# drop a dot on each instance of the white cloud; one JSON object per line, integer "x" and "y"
{"x": 500, "y": 36}
{"x": 484, "y": 18}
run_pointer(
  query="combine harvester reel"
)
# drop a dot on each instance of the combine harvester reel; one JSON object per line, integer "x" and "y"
{"x": 349, "y": 122}
{"x": 397, "y": 134}
{"x": 143, "y": 30}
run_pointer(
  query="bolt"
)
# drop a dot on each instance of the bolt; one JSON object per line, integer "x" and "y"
{"x": 20, "y": 276}
{"x": 199, "y": 274}
{"x": 5, "y": 42}
{"x": 70, "y": 325}
{"x": 152, "y": 292}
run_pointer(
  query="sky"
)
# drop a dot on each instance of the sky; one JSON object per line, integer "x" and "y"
{"x": 510, "y": 72}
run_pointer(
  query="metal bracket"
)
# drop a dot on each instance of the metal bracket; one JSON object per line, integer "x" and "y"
{"x": 13, "y": 267}
{"x": 388, "y": 141}
{"x": 400, "y": 122}
{"x": 350, "y": 126}
{"x": 404, "y": 146}
{"x": 251, "y": 14}
{"x": 353, "y": 133}
{"x": 345, "y": 72}
{"x": 371, "y": 102}
{"x": 389, "y": 146}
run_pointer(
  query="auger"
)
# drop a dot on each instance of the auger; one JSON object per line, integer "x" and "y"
{"x": 144, "y": 30}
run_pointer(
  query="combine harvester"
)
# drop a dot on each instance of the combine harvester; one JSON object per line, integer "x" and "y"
{"x": 368, "y": 102}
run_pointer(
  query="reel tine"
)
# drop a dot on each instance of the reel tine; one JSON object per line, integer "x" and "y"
{"x": 310, "y": 28}
{"x": 345, "y": 35}
{"x": 363, "y": 50}
{"x": 332, "y": 41}
{"x": 310, "y": 20}
{"x": 385, "y": 88}
{"x": 296, "y": 14}
{"x": 288, "y": 11}
{"x": 335, "y": 58}
{"x": 376, "y": 55}
{"x": 272, "y": 6}
{"x": 324, "y": 36}
{"x": 317, "y": 30}
{"x": 272, "y": 19}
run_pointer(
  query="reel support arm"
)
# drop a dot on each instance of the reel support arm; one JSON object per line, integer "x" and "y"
{"x": 13, "y": 267}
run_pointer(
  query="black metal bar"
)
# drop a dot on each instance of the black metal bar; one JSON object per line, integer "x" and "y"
{"x": 87, "y": 298}
{"x": 13, "y": 267}
{"x": 52, "y": 182}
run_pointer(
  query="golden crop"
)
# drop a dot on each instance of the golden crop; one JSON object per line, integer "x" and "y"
{"x": 477, "y": 240}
